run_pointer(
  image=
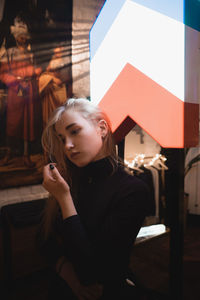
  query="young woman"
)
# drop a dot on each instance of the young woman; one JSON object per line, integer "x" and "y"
{"x": 95, "y": 208}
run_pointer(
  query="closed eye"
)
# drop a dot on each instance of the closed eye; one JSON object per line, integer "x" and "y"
{"x": 75, "y": 131}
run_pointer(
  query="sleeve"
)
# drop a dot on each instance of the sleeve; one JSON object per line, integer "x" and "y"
{"x": 6, "y": 77}
{"x": 50, "y": 249}
{"x": 79, "y": 249}
{"x": 106, "y": 256}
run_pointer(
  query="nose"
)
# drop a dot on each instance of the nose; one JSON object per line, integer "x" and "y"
{"x": 69, "y": 144}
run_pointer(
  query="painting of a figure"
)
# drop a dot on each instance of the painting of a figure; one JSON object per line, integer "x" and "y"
{"x": 35, "y": 78}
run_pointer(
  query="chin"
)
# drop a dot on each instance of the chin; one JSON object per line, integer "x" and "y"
{"x": 80, "y": 164}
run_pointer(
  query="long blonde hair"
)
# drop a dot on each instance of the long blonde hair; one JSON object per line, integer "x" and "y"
{"x": 53, "y": 146}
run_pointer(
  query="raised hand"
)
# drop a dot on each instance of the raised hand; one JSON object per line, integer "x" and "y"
{"x": 55, "y": 184}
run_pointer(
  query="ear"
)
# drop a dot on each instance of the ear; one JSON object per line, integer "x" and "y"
{"x": 103, "y": 126}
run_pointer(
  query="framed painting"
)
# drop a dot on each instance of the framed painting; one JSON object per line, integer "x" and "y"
{"x": 35, "y": 78}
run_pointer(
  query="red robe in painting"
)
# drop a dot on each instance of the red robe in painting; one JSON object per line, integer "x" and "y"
{"x": 23, "y": 108}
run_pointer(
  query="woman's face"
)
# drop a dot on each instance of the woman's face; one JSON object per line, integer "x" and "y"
{"x": 22, "y": 40}
{"x": 81, "y": 138}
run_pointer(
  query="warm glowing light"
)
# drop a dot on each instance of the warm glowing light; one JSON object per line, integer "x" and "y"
{"x": 147, "y": 71}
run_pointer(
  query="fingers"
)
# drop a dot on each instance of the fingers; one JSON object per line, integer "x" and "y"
{"x": 53, "y": 182}
{"x": 54, "y": 171}
{"x": 49, "y": 173}
{"x": 51, "y": 166}
{"x": 51, "y": 176}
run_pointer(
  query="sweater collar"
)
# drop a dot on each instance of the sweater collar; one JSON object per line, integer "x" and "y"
{"x": 97, "y": 169}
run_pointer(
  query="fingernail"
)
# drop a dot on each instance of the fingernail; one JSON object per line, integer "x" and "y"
{"x": 51, "y": 167}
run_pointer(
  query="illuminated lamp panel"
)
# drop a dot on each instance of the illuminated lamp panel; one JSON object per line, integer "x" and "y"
{"x": 155, "y": 47}
{"x": 147, "y": 72}
{"x": 162, "y": 116}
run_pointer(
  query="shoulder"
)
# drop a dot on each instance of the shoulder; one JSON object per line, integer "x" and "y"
{"x": 125, "y": 185}
{"x": 128, "y": 181}
{"x": 12, "y": 53}
{"x": 5, "y": 54}
{"x": 131, "y": 194}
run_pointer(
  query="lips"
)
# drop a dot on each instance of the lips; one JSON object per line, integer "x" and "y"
{"x": 74, "y": 154}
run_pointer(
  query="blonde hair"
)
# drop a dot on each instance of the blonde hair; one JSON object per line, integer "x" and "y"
{"x": 53, "y": 146}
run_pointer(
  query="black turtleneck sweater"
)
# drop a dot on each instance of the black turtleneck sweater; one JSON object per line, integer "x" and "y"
{"x": 111, "y": 207}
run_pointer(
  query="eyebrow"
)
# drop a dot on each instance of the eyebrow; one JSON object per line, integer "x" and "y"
{"x": 69, "y": 126}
